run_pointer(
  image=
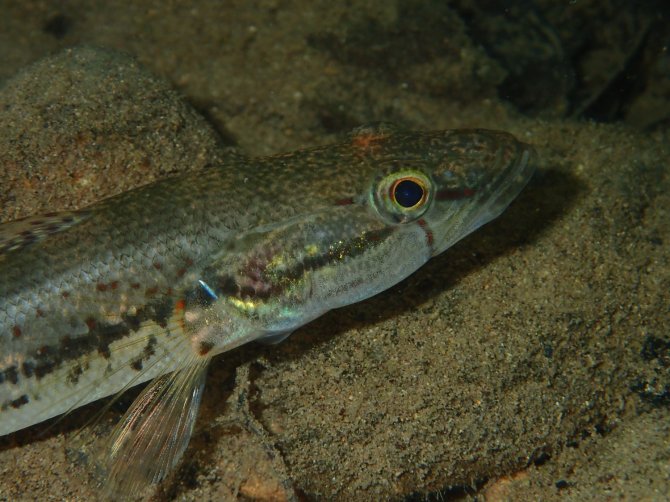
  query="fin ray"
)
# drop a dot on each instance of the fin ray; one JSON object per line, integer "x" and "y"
{"x": 155, "y": 431}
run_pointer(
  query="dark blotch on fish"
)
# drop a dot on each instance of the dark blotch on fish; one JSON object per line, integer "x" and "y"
{"x": 100, "y": 336}
{"x": 11, "y": 375}
{"x": 28, "y": 369}
{"x": 74, "y": 374}
{"x": 15, "y": 403}
{"x": 205, "y": 347}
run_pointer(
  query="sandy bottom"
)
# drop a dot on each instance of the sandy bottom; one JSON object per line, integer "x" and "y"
{"x": 529, "y": 362}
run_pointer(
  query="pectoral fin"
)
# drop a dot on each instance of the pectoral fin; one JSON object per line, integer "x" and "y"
{"x": 152, "y": 436}
{"x": 274, "y": 338}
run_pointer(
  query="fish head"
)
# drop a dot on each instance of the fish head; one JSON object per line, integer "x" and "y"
{"x": 449, "y": 183}
{"x": 369, "y": 216}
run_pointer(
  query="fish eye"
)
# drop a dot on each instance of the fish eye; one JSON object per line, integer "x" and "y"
{"x": 408, "y": 192}
{"x": 402, "y": 196}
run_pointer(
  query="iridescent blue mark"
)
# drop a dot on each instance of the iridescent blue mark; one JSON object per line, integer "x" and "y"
{"x": 207, "y": 289}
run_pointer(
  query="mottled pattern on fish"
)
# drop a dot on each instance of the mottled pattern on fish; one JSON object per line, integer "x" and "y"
{"x": 165, "y": 276}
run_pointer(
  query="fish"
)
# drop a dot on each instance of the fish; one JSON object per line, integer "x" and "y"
{"x": 151, "y": 284}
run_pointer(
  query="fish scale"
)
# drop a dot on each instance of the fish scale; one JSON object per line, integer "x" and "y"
{"x": 155, "y": 281}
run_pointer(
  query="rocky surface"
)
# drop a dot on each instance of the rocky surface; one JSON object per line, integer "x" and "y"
{"x": 530, "y": 361}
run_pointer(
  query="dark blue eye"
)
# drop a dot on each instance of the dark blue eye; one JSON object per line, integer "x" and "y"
{"x": 408, "y": 192}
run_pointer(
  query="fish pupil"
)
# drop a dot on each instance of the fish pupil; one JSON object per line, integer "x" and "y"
{"x": 408, "y": 193}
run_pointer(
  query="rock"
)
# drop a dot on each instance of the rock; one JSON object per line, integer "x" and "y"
{"x": 88, "y": 123}
{"x": 546, "y": 327}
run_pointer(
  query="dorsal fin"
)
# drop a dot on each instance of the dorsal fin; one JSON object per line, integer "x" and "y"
{"x": 18, "y": 234}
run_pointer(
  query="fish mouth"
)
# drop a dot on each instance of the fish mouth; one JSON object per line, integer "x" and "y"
{"x": 507, "y": 185}
{"x": 494, "y": 197}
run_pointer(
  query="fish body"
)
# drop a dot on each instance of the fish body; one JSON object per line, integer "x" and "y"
{"x": 156, "y": 281}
